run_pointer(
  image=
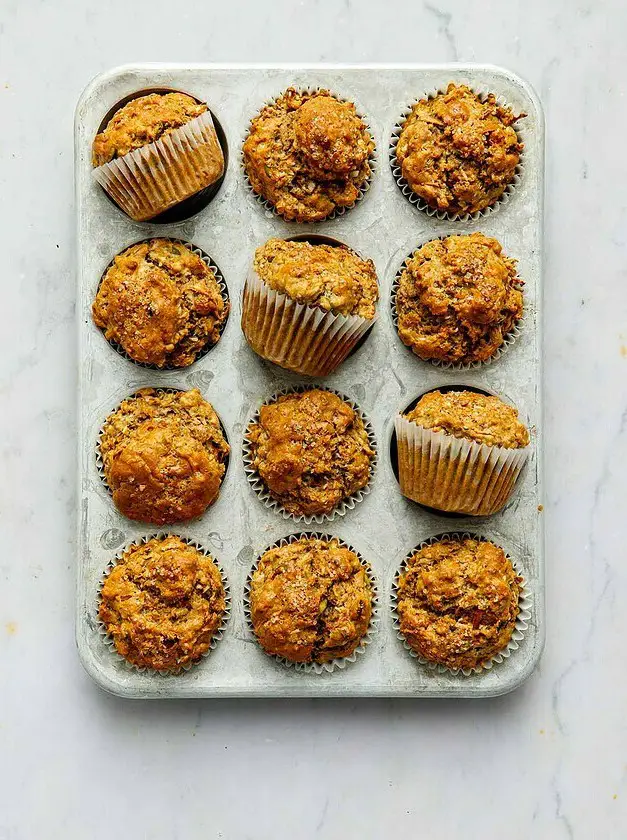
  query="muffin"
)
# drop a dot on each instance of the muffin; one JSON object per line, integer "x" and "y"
{"x": 310, "y": 601}
{"x": 163, "y": 456}
{"x": 311, "y": 451}
{"x": 306, "y": 306}
{"x": 458, "y": 602}
{"x": 162, "y": 604}
{"x": 161, "y": 303}
{"x": 460, "y": 452}
{"x": 156, "y": 151}
{"x": 458, "y": 299}
{"x": 458, "y": 152}
{"x": 307, "y": 154}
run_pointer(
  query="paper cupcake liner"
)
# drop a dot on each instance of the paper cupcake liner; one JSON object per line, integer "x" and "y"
{"x": 224, "y": 292}
{"x": 509, "y": 338}
{"x": 147, "y": 181}
{"x": 453, "y": 474}
{"x": 333, "y": 664}
{"x": 417, "y": 201}
{"x": 337, "y": 211}
{"x": 262, "y": 492}
{"x": 520, "y": 627}
{"x": 301, "y": 338}
{"x": 217, "y": 636}
{"x": 99, "y": 458}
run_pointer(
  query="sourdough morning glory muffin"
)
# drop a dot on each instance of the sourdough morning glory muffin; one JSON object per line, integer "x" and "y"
{"x": 458, "y": 299}
{"x": 306, "y": 305}
{"x": 308, "y": 154}
{"x": 311, "y": 451}
{"x": 458, "y": 152}
{"x": 161, "y": 303}
{"x": 162, "y": 603}
{"x": 310, "y": 600}
{"x": 458, "y": 602}
{"x": 460, "y": 452}
{"x": 156, "y": 151}
{"x": 163, "y": 455}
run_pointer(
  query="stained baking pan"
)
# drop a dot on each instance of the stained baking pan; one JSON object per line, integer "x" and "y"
{"x": 381, "y": 377}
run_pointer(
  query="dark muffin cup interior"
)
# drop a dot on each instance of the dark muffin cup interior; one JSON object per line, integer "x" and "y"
{"x": 195, "y": 203}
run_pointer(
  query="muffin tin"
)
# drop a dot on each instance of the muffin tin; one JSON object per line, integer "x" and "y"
{"x": 382, "y": 377}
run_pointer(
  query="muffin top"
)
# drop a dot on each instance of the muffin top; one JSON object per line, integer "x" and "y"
{"x": 310, "y": 600}
{"x": 161, "y": 303}
{"x": 307, "y": 153}
{"x": 458, "y": 298}
{"x": 311, "y": 450}
{"x": 457, "y": 152}
{"x": 162, "y": 603}
{"x": 458, "y": 602}
{"x": 163, "y": 456}
{"x": 142, "y": 121}
{"x": 476, "y": 417}
{"x": 333, "y": 278}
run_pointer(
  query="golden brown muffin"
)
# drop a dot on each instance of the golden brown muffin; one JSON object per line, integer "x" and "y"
{"x": 142, "y": 121}
{"x": 332, "y": 278}
{"x": 307, "y": 153}
{"x": 161, "y": 303}
{"x": 162, "y": 603}
{"x": 477, "y": 417}
{"x": 458, "y": 153}
{"x": 310, "y": 601}
{"x": 311, "y": 450}
{"x": 458, "y": 298}
{"x": 163, "y": 456}
{"x": 458, "y": 602}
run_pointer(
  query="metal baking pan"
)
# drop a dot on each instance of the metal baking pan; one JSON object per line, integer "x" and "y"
{"x": 381, "y": 377}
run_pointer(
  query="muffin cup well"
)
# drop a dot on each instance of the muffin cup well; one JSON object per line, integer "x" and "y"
{"x": 508, "y": 339}
{"x": 262, "y": 492}
{"x": 453, "y": 474}
{"x": 217, "y": 636}
{"x": 520, "y": 627}
{"x": 333, "y": 664}
{"x": 224, "y": 292}
{"x": 417, "y": 201}
{"x": 146, "y": 182}
{"x": 337, "y": 211}
{"x": 301, "y": 338}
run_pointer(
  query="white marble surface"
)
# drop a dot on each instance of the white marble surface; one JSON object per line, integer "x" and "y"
{"x": 549, "y": 761}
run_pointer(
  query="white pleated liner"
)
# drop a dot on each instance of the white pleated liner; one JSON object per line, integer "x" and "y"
{"x": 522, "y": 619}
{"x": 262, "y": 492}
{"x": 452, "y": 474}
{"x": 333, "y": 664}
{"x": 301, "y": 338}
{"x": 147, "y": 181}
{"x": 337, "y": 211}
{"x": 508, "y": 339}
{"x": 224, "y": 293}
{"x": 217, "y": 636}
{"x": 418, "y": 201}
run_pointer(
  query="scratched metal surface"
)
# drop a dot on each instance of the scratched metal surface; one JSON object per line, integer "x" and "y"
{"x": 382, "y": 377}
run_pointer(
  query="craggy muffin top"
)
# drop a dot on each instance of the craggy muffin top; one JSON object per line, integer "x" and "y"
{"x": 142, "y": 121}
{"x": 458, "y": 298}
{"x": 161, "y": 303}
{"x": 307, "y": 153}
{"x": 310, "y": 600}
{"x": 162, "y": 603}
{"x": 330, "y": 277}
{"x": 311, "y": 450}
{"x": 458, "y": 153}
{"x": 477, "y": 417}
{"x": 163, "y": 456}
{"x": 458, "y": 602}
